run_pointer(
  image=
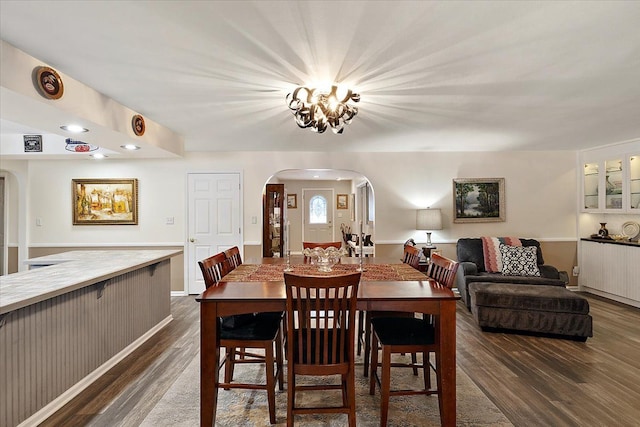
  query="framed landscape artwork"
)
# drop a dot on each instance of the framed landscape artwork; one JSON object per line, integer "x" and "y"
{"x": 342, "y": 201}
{"x": 478, "y": 200}
{"x": 292, "y": 201}
{"x": 105, "y": 201}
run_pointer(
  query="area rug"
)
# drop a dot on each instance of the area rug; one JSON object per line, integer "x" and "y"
{"x": 180, "y": 406}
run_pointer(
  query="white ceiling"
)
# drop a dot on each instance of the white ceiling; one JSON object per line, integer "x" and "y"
{"x": 433, "y": 76}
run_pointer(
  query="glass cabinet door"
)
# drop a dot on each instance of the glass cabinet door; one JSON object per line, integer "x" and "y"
{"x": 591, "y": 194}
{"x": 273, "y": 221}
{"x": 634, "y": 181}
{"x": 613, "y": 183}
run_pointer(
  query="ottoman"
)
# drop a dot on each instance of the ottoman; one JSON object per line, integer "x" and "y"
{"x": 540, "y": 309}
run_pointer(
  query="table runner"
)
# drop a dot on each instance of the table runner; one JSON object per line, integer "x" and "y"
{"x": 274, "y": 272}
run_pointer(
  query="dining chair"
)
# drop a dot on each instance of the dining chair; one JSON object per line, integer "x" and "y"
{"x": 413, "y": 335}
{"x": 321, "y": 346}
{"x": 443, "y": 270}
{"x": 411, "y": 256}
{"x": 255, "y": 331}
{"x": 324, "y": 245}
{"x": 214, "y": 268}
{"x": 234, "y": 257}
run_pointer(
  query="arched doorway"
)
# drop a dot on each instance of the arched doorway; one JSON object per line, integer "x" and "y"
{"x": 352, "y": 201}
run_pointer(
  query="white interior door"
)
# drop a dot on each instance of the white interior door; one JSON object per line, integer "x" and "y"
{"x": 214, "y": 220}
{"x": 318, "y": 215}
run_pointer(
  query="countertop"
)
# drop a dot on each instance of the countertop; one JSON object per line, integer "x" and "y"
{"x": 611, "y": 242}
{"x": 68, "y": 271}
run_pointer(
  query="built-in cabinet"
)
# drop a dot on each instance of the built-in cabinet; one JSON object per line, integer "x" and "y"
{"x": 273, "y": 220}
{"x": 610, "y": 270}
{"x": 611, "y": 184}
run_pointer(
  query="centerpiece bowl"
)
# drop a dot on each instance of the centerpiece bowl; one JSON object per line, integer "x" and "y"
{"x": 324, "y": 258}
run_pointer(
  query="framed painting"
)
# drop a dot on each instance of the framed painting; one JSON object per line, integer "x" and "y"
{"x": 105, "y": 201}
{"x": 292, "y": 201}
{"x": 342, "y": 201}
{"x": 478, "y": 200}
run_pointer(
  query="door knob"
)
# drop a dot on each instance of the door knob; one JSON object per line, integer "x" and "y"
{"x": 192, "y": 240}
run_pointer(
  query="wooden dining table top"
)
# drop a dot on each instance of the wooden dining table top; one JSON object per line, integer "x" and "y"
{"x": 244, "y": 285}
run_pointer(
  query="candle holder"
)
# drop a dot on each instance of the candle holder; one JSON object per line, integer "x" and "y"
{"x": 361, "y": 266}
{"x": 288, "y": 267}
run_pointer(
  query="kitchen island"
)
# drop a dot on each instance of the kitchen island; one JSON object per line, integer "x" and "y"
{"x": 64, "y": 324}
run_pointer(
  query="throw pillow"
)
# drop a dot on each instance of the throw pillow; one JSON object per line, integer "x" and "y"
{"x": 519, "y": 260}
{"x": 491, "y": 249}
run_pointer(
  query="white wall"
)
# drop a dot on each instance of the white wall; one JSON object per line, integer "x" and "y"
{"x": 540, "y": 193}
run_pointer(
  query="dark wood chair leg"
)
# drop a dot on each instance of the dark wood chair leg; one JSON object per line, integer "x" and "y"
{"x": 230, "y": 358}
{"x": 385, "y": 387}
{"x": 374, "y": 367}
{"x": 271, "y": 383}
{"x": 367, "y": 343}
{"x": 280, "y": 361}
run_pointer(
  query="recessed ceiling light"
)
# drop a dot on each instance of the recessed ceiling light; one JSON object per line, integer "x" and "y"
{"x": 316, "y": 176}
{"x": 98, "y": 156}
{"x": 74, "y": 128}
{"x": 130, "y": 147}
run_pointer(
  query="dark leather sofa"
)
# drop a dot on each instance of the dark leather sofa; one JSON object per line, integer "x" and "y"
{"x": 471, "y": 258}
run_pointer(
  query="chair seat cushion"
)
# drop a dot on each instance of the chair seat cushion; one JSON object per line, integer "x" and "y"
{"x": 263, "y": 327}
{"x": 403, "y": 331}
{"x": 527, "y": 297}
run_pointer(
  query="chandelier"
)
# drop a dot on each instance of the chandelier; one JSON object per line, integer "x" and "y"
{"x": 316, "y": 109}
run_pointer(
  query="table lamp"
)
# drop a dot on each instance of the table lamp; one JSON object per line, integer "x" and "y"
{"x": 428, "y": 219}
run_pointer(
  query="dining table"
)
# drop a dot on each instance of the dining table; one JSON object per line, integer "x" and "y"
{"x": 386, "y": 284}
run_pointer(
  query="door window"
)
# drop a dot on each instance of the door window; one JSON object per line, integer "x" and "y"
{"x": 318, "y": 210}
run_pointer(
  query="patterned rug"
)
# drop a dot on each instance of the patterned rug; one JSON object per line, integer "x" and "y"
{"x": 275, "y": 272}
{"x": 179, "y": 407}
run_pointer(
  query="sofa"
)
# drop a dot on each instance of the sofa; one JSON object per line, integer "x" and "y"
{"x": 470, "y": 254}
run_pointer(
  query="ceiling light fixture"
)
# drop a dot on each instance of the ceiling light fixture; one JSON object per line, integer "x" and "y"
{"x": 130, "y": 147}
{"x": 317, "y": 109}
{"x": 74, "y": 128}
{"x": 98, "y": 156}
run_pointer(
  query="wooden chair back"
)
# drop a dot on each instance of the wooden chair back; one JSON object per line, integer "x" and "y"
{"x": 324, "y": 245}
{"x": 411, "y": 256}
{"x": 443, "y": 270}
{"x": 321, "y": 323}
{"x": 233, "y": 255}
{"x": 214, "y": 269}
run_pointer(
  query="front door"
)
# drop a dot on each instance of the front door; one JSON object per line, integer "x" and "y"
{"x": 317, "y": 205}
{"x": 214, "y": 220}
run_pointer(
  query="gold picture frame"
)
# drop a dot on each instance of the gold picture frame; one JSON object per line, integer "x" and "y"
{"x": 342, "y": 201}
{"x": 103, "y": 201}
{"x": 479, "y": 200}
{"x": 292, "y": 201}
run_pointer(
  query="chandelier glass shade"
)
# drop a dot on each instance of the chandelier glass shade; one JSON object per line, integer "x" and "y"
{"x": 318, "y": 110}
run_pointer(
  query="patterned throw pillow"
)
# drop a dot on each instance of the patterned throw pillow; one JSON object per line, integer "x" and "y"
{"x": 519, "y": 260}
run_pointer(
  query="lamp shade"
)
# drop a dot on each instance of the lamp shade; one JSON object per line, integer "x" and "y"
{"x": 428, "y": 219}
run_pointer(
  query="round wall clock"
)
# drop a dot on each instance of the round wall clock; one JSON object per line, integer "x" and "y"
{"x": 137, "y": 123}
{"x": 49, "y": 83}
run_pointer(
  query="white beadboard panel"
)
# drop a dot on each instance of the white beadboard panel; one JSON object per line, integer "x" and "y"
{"x": 48, "y": 347}
{"x": 611, "y": 270}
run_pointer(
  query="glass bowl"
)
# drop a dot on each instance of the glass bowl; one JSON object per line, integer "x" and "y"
{"x": 324, "y": 258}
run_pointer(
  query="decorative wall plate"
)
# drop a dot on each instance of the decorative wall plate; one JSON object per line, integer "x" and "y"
{"x": 631, "y": 229}
{"x": 79, "y": 146}
{"x": 49, "y": 83}
{"x": 137, "y": 123}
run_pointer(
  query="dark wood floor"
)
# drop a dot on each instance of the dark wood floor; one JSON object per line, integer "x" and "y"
{"x": 534, "y": 381}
